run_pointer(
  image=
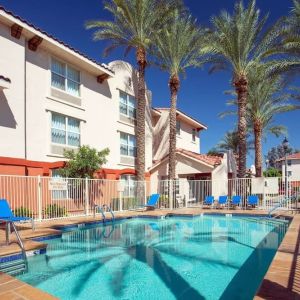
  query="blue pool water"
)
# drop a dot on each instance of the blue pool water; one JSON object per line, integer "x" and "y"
{"x": 207, "y": 257}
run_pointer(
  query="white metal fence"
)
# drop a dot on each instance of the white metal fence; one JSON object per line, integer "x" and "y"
{"x": 52, "y": 197}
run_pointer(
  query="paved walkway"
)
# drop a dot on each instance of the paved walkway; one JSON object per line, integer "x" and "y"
{"x": 282, "y": 280}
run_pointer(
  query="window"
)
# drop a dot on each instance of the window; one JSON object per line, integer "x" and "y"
{"x": 289, "y": 162}
{"x": 129, "y": 185}
{"x": 65, "y": 130}
{"x": 127, "y": 105}
{"x": 128, "y": 144}
{"x": 178, "y": 127}
{"x": 65, "y": 78}
{"x": 289, "y": 173}
{"x": 194, "y": 133}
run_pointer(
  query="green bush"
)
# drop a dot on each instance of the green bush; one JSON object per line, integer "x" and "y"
{"x": 23, "y": 212}
{"x": 55, "y": 211}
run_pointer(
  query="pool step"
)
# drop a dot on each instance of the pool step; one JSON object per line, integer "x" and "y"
{"x": 14, "y": 267}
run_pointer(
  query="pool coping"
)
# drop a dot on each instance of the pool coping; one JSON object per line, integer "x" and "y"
{"x": 264, "y": 291}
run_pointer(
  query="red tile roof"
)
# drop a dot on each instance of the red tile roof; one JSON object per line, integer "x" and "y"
{"x": 209, "y": 159}
{"x": 212, "y": 160}
{"x": 55, "y": 39}
{"x": 291, "y": 156}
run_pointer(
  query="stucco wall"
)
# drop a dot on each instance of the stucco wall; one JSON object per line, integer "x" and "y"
{"x": 161, "y": 137}
{"x": 98, "y": 113}
{"x": 294, "y": 168}
{"x": 12, "y": 100}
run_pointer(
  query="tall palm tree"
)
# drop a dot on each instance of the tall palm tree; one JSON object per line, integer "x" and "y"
{"x": 179, "y": 46}
{"x": 230, "y": 142}
{"x": 267, "y": 97}
{"x": 291, "y": 33}
{"x": 240, "y": 41}
{"x": 134, "y": 25}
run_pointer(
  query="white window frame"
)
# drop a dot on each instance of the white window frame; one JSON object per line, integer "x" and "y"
{"x": 127, "y": 145}
{"x": 66, "y": 130}
{"x": 66, "y": 66}
{"x": 127, "y": 105}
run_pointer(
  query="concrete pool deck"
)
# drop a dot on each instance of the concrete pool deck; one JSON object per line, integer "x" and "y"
{"x": 282, "y": 281}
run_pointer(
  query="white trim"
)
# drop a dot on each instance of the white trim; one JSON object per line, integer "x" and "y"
{"x": 64, "y": 102}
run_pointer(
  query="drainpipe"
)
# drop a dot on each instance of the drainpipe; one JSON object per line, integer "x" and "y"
{"x": 25, "y": 103}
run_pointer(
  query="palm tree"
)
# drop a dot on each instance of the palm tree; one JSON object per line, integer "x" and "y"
{"x": 240, "y": 41}
{"x": 134, "y": 25}
{"x": 291, "y": 33}
{"x": 179, "y": 46}
{"x": 230, "y": 142}
{"x": 267, "y": 98}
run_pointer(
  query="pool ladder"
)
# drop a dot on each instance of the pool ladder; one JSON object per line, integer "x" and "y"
{"x": 101, "y": 209}
{"x": 18, "y": 266}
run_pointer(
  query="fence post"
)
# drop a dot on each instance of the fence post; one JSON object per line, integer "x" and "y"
{"x": 264, "y": 193}
{"x": 86, "y": 196}
{"x": 171, "y": 194}
{"x": 39, "y": 198}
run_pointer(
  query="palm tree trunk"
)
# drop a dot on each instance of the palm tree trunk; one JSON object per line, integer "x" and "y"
{"x": 258, "y": 148}
{"x": 241, "y": 87}
{"x": 174, "y": 84}
{"x": 141, "y": 105}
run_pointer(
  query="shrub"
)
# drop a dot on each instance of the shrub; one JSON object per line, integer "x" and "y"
{"x": 55, "y": 211}
{"x": 23, "y": 212}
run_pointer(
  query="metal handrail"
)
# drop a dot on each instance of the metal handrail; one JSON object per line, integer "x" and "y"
{"x": 100, "y": 208}
{"x": 102, "y": 212}
{"x": 279, "y": 205}
{"x": 109, "y": 210}
{"x": 20, "y": 243}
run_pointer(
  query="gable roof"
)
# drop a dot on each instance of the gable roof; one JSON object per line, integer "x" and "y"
{"x": 183, "y": 116}
{"x": 291, "y": 157}
{"x": 210, "y": 160}
{"x": 29, "y": 26}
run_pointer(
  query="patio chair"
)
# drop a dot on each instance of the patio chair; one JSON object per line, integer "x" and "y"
{"x": 151, "y": 204}
{"x": 236, "y": 200}
{"x": 7, "y": 216}
{"x": 209, "y": 201}
{"x": 223, "y": 200}
{"x": 252, "y": 200}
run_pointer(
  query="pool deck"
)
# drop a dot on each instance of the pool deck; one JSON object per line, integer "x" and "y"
{"x": 282, "y": 281}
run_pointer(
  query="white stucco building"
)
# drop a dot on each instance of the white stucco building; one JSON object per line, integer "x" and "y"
{"x": 52, "y": 97}
{"x": 293, "y": 166}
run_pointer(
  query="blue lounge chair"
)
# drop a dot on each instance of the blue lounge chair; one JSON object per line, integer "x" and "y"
{"x": 252, "y": 200}
{"x": 236, "y": 200}
{"x": 152, "y": 202}
{"x": 7, "y": 216}
{"x": 223, "y": 200}
{"x": 209, "y": 201}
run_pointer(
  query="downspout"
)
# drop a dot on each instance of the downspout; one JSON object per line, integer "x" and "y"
{"x": 25, "y": 104}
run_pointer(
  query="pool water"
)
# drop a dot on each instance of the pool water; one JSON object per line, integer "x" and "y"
{"x": 206, "y": 257}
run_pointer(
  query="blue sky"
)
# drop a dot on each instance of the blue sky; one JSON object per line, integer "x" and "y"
{"x": 201, "y": 95}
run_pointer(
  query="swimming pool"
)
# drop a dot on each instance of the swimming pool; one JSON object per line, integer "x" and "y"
{"x": 205, "y": 257}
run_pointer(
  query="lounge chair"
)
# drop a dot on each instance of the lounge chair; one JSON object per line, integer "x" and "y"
{"x": 223, "y": 200}
{"x": 6, "y": 214}
{"x": 252, "y": 200}
{"x": 151, "y": 204}
{"x": 236, "y": 200}
{"x": 209, "y": 201}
